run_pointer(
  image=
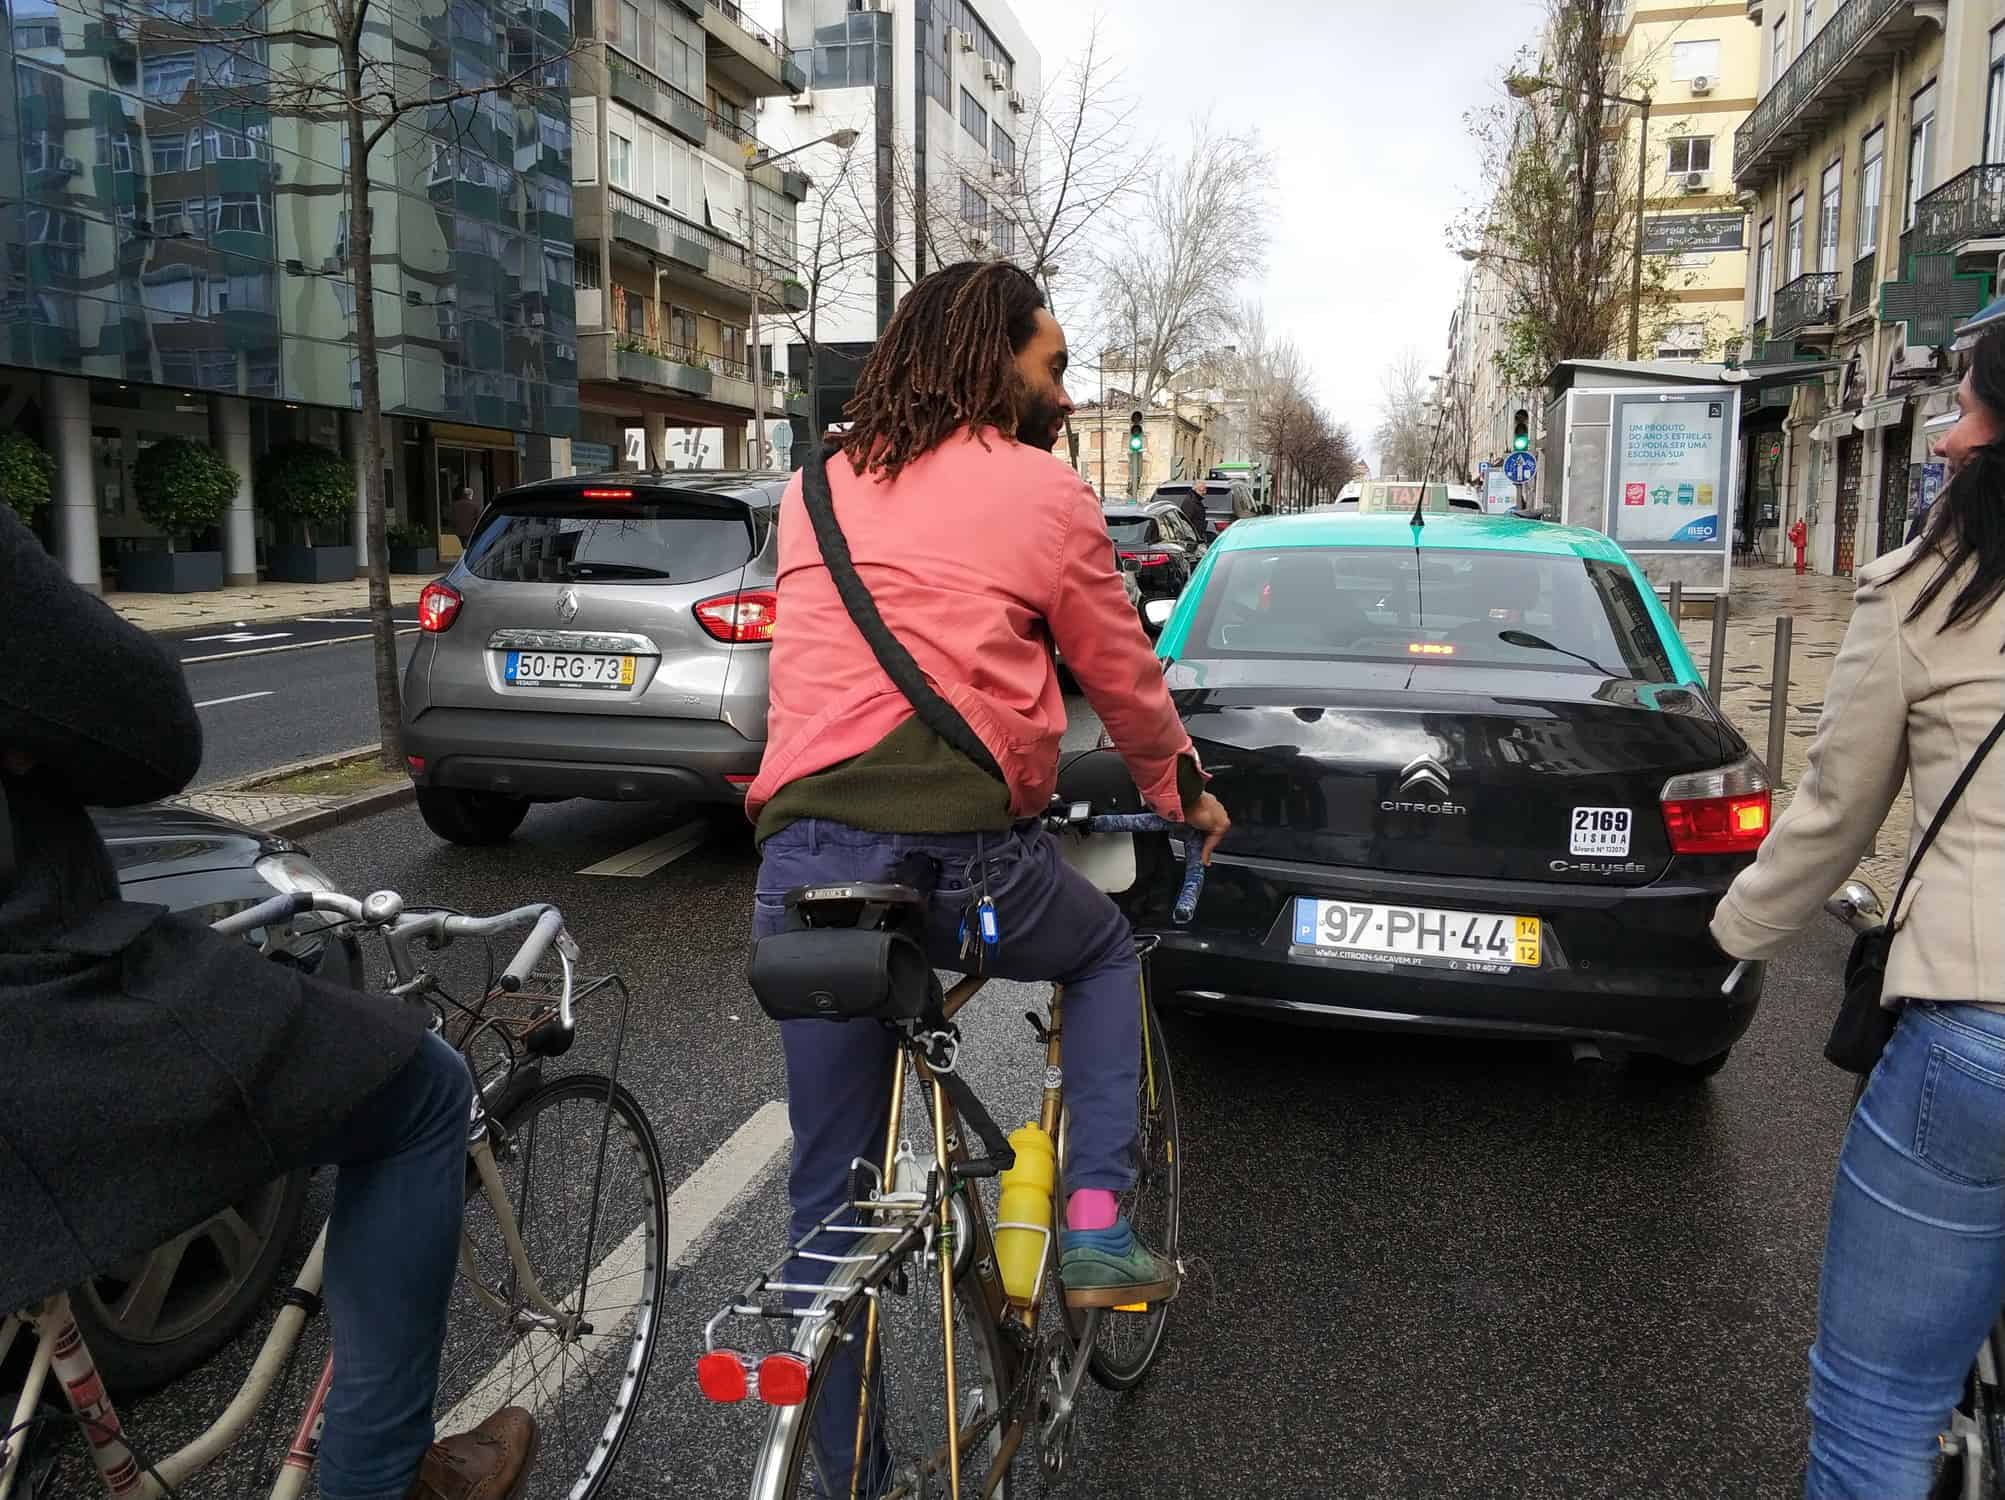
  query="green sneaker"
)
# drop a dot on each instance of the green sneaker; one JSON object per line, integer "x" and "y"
{"x": 1112, "y": 1268}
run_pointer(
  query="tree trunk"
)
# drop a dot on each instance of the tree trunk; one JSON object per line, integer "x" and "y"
{"x": 361, "y": 268}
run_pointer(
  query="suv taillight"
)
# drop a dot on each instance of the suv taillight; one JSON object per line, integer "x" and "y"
{"x": 438, "y": 607}
{"x": 1718, "y": 812}
{"x": 747, "y": 615}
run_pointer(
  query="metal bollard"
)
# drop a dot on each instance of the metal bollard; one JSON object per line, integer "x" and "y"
{"x": 1778, "y": 701}
{"x": 1677, "y": 605}
{"x": 1717, "y": 671}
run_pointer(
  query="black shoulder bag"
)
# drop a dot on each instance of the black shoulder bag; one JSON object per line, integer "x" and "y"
{"x": 1864, "y": 1025}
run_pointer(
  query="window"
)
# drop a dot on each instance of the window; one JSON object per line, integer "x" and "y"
{"x": 1921, "y": 150}
{"x": 1003, "y": 149}
{"x": 682, "y": 328}
{"x": 169, "y": 150}
{"x": 1828, "y": 194}
{"x": 1691, "y": 153}
{"x": 622, "y": 542}
{"x": 164, "y": 77}
{"x": 1682, "y": 341}
{"x": 1005, "y": 236}
{"x": 635, "y": 308}
{"x": 238, "y": 211}
{"x": 620, "y": 160}
{"x": 1872, "y": 180}
{"x": 1792, "y": 254}
{"x": 1764, "y": 268}
{"x": 974, "y": 207}
{"x": 1809, "y": 27}
{"x": 1691, "y": 60}
{"x": 1778, "y": 50}
{"x": 974, "y": 119}
{"x": 1994, "y": 101}
{"x": 627, "y": 23}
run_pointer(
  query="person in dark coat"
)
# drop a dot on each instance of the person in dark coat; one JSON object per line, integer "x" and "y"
{"x": 153, "y": 1072}
{"x": 465, "y": 515}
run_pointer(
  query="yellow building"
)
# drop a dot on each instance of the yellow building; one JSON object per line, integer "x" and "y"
{"x": 1179, "y": 441}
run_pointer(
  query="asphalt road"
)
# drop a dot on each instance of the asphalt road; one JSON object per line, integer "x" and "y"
{"x": 262, "y": 707}
{"x": 1424, "y": 1268}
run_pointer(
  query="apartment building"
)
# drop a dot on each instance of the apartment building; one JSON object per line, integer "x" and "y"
{"x": 1873, "y": 169}
{"x": 678, "y": 231}
{"x": 941, "y": 93}
{"x": 173, "y": 249}
{"x": 1181, "y": 439}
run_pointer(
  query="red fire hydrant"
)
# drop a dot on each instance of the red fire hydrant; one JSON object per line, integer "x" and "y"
{"x": 1799, "y": 538}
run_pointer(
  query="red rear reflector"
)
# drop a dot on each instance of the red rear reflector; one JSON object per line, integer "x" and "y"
{"x": 739, "y": 780}
{"x": 1147, "y": 559}
{"x": 783, "y": 1380}
{"x": 437, "y": 607}
{"x": 721, "y": 1374}
{"x": 744, "y": 616}
{"x": 1718, "y": 825}
{"x": 607, "y": 494}
{"x": 1429, "y": 648}
{"x": 416, "y": 763}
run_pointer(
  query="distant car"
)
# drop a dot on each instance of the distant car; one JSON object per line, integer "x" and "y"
{"x": 1442, "y": 497}
{"x": 151, "y": 1319}
{"x": 1221, "y": 503}
{"x": 1155, "y": 539}
{"x": 1476, "y": 785}
{"x": 603, "y": 636}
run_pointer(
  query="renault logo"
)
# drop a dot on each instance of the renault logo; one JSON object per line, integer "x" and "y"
{"x": 1422, "y": 772}
{"x": 567, "y": 606}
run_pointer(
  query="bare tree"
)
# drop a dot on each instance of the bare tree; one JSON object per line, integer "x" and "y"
{"x": 1175, "y": 280}
{"x": 343, "y": 62}
{"x": 1406, "y": 436}
{"x": 1559, "y": 212}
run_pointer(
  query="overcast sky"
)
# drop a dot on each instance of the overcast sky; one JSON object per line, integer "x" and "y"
{"x": 1361, "y": 102}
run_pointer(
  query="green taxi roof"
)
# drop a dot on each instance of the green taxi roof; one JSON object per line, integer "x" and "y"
{"x": 1444, "y": 529}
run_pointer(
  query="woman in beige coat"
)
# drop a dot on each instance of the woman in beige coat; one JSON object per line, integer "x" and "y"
{"x": 1914, "y": 1261}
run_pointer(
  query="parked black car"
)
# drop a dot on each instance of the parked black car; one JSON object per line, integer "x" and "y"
{"x": 1154, "y": 539}
{"x": 156, "y": 1317}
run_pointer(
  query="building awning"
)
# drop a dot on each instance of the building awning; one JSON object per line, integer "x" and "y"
{"x": 1757, "y": 377}
{"x": 1885, "y": 412}
{"x": 1834, "y": 427}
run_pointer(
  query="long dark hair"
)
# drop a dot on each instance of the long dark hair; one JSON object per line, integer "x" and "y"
{"x": 947, "y": 360}
{"x": 1968, "y": 523}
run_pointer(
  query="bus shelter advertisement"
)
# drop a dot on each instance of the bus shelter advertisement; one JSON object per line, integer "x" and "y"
{"x": 1670, "y": 474}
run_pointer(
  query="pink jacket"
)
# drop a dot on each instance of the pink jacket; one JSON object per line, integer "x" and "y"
{"x": 979, "y": 559}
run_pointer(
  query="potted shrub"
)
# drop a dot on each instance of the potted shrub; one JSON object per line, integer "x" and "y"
{"x": 313, "y": 488}
{"x": 413, "y": 549}
{"x": 27, "y": 475}
{"x": 183, "y": 487}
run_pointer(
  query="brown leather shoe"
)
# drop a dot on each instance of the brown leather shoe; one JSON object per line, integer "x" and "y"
{"x": 489, "y": 1463}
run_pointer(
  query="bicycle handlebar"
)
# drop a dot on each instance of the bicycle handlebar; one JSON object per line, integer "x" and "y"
{"x": 1185, "y": 909}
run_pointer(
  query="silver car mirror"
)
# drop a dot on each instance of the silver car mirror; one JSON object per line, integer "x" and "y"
{"x": 1156, "y": 613}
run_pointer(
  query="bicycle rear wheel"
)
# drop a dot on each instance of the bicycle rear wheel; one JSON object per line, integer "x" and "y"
{"x": 1128, "y": 1342}
{"x": 587, "y": 1219}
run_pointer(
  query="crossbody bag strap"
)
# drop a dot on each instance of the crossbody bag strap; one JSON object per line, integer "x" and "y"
{"x": 1942, "y": 814}
{"x": 934, "y": 711}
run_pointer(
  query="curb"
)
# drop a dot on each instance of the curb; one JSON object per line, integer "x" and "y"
{"x": 348, "y": 810}
{"x": 252, "y": 779}
{"x": 286, "y": 619}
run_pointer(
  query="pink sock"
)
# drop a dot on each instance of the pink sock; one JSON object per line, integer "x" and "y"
{"x": 1091, "y": 1208}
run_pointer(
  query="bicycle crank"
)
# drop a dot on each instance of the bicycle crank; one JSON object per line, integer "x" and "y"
{"x": 1058, "y": 1397}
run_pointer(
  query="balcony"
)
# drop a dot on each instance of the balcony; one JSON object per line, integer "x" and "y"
{"x": 1964, "y": 212}
{"x": 1865, "y": 287}
{"x": 1857, "y": 43}
{"x": 1810, "y": 301}
{"x": 747, "y": 54}
{"x": 656, "y": 96}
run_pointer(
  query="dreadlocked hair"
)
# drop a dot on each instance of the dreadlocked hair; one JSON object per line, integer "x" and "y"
{"x": 947, "y": 360}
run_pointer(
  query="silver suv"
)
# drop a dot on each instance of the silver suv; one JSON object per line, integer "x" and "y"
{"x": 604, "y": 636}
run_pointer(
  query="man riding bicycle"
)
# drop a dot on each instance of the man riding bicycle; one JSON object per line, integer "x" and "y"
{"x": 154, "y": 1071}
{"x": 981, "y": 552}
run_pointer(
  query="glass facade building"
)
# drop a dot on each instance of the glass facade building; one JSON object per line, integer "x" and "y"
{"x": 169, "y": 214}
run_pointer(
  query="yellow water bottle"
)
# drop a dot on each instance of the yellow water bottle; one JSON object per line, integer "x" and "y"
{"x": 1023, "y": 1220}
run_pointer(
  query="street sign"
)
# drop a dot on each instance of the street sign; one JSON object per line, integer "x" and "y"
{"x": 1521, "y": 468}
{"x": 1693, "y": 234}
{"x": 1483, "y": 468}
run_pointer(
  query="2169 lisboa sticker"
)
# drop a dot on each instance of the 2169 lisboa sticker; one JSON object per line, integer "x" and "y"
{"x": 1601, "y": 831}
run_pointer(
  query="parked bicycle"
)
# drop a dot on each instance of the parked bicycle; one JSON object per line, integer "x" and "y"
{"x": 561, "y": 1259}
{"x": 987, "y": 1359}
{"x": 1973, "y": 1448}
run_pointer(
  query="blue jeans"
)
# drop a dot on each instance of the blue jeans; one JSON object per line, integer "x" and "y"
{"x": 392, "y": 1248}
{"x": 1914, "y": 1264}
{"x": 1055, "y": 926}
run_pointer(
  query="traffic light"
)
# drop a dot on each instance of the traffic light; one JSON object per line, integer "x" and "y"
{"x": 1135, "y": 432}
{"x": 1521, "y": 431}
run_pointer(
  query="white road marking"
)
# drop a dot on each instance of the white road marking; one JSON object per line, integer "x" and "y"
{"x": 241, "y": 637}
{"x": 345, "y": 620}
{"x": 645, "y": 859}
{"x": 270, "y": 650}
{"x": 532, "y": 1373}
{"x": 240, "y": 698}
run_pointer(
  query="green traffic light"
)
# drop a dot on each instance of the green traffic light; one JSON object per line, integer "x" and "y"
{"x": 1520, "y": 443}
{"x": 1135, "y": 443}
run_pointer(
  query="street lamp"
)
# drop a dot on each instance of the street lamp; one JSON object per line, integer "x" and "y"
{"x": 843, "y": 139}
{"x": 1524, "y": 86}
{"x": 1471, "y": 254}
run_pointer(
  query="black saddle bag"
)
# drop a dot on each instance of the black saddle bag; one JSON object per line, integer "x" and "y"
{"x": 847, "y": 953}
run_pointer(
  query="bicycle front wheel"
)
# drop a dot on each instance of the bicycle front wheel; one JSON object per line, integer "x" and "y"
{"x": 584, "y": 1180}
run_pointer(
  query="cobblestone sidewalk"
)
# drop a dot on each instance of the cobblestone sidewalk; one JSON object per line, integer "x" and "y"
{"x": 1821, "y": 608}
{"x": 250, "y": 799}
{"x": 264, "y": 601}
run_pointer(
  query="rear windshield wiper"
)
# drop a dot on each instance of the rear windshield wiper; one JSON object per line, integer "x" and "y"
{"x": 615, "y": 570}
{"x": 1524, "y": 640}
